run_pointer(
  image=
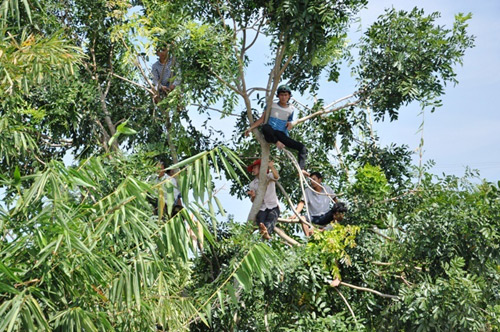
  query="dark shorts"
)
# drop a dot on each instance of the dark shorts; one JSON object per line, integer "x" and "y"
{"x": 268, "y": 217}
{"x": 323, "y": 219}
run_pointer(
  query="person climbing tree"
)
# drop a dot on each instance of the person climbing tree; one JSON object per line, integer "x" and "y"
{"x": 318, "y": 203}
{"x": 269, "y": 210}
{"x": 280, "y": 122}
{"x": 162, "y": 71}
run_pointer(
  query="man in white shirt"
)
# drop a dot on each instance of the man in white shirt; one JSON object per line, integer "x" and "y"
{"x": 319, "y": 199}
{"x": 269, "y": 210}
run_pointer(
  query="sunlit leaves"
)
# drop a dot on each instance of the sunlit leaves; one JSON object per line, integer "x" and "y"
{"x": 330, "y": 246}
{"x": 29, "y": 60}
{"x": 406, "y": 56}
{"x": 92, "y": 236}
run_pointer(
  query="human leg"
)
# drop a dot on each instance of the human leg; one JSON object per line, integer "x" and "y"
{"x": 269, "y": 133}
{"x": 260, "y": 221}
{"x": 324, "y": 219}
{"x": 271, "y": 218}
{"x": 293, "y": 144}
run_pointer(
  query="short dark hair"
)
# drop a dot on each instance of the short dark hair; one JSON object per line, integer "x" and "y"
{"x": 339, "y": 208}
{"x": 317, "y": 174}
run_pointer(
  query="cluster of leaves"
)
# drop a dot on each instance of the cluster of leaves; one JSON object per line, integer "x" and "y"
{"x": 295, "y": 295}
{"x": 81, "y": 248}
{"x": 92, "y": 246}
{"x": 329, "y": 247}
{"x": 404, "y": 57}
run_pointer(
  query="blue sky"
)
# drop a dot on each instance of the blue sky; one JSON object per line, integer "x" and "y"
{"x": 465, "y": 131}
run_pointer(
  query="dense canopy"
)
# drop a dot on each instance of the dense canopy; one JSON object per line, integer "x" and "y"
{"x": 89, "y": 236}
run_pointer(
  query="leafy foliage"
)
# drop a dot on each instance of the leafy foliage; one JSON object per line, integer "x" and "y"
{"x": 96, "y": 246}
{"x": 404, "y": 56}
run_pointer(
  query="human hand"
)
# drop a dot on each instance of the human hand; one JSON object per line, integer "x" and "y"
{"x": 280, "y": 145}
{"x": 271, "y": 163}
{"x": 247, "y": 132}
{"x": 164, "y": 88}
{"x": 251, "y": 193}
{"x": 289, "y": 125}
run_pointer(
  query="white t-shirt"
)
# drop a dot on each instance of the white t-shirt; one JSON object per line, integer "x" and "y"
{"x": 174, "y": 182}
{"x": 270, "y": 198}
{"x": 319, "y": 203}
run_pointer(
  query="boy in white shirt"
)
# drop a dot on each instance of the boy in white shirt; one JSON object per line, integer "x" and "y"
{"x": 269, "y": 210}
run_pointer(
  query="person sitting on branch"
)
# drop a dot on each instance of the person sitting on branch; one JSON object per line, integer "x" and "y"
{"x": 280, "y": 122}
{"x": 269, "y": 211}
{"x": 162, "y": 71}
{"x": 318, "y": 203}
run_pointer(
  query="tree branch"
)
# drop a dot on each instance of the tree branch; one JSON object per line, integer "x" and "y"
{"x": 134, "y": 83}
{"x": 285, "y": 237}
{"x": 223, "y": 81}
{"x": 347, "y": 304}
{"x": 301, "y": 219}
{"x": 324, "y": 111}
{"x": 369, "y": 290}
{"x": 382, "y": 235}
{"x": 215, "y": 109}
{"x": 256, "y": 35}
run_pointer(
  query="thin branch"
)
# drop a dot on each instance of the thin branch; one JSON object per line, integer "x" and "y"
{"x": 301, "y": 219}
{"x": 325, "y": 111}
{"x": 256, "y": 35}
{"x": 223, "y": 81}
{"x": 65, "y": 141}
{"x": 412, "y": 191}
{"x": 347, "y": 304}
{"x": 285, "y": 237}
{"x": 215, "y": 109}
{"x": 252, "y": 90}
{"x": 341, "y": 161}
{"x": 369, "y": 290}
{"x": 289, "y": 221}
{"x": 39, "y": 160}
{"x": 110, "y": 63}
{"x": 139, "y": 66}
{"x": 301, "y": 178}
{"x": 339, "y": 100}
{"x": 382, "y": 235}
{"x": 134, "y": 83}
{"x": 282, "y": 70}
{"x": 407, "y": 283}
{"x": 382, "y": 263}
{"x": 390, "y": 263}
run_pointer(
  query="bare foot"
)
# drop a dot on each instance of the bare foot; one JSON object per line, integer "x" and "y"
{"x": 335, "y": 282}
{"x": 280, "y": 145}
{"x": 263, "y": 231}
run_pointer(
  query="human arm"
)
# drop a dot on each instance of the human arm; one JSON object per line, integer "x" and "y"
{"x": 254, "y": 125}
{"x": 331, "y": 193}
{"x": 252, "y": 189}
{"x": 289, "y": 123}
{"x": 274, "y": 171}
{"x": 299, "y": 207}
{"x": 251, "y": 193}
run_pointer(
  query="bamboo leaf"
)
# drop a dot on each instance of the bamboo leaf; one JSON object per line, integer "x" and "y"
{"x": 187, "y": 161}
{"x": 219, "y": 205}
{"x": 221, "y": 301}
